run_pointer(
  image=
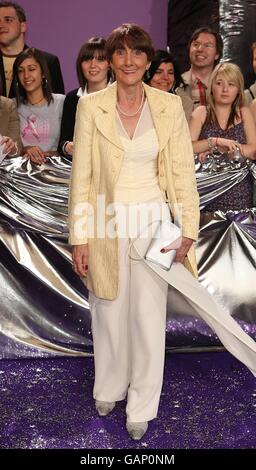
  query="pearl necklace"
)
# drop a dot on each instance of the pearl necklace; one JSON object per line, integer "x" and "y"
{"x": 136, "y": 112}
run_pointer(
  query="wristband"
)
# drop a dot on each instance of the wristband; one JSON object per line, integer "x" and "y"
{"x": 210, "y": 143}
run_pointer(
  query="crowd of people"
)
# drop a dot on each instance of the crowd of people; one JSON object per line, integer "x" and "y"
{"x": 132, "y": 129}
{"x": 37, "y": 109}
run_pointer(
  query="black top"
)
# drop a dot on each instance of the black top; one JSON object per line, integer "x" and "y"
{"x": 68, "y": 119}
{"x": 54, "y": 69}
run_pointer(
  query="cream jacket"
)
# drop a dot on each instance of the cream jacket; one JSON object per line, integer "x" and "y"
{"x": 97, "y": 159}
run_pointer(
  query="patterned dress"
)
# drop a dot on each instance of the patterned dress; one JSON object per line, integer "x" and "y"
{"x": 239, "y": 196}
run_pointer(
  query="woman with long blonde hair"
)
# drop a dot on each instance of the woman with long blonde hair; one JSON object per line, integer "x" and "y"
{"x": 226, "y": 126}
{"x": 224, "y": 141}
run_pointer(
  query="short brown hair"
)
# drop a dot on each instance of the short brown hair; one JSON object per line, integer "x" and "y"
{"x": 19, "y": 10}
{"x": 134, "y": 36}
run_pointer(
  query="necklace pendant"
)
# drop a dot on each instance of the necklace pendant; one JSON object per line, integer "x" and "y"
{"x": 37, "y": 102}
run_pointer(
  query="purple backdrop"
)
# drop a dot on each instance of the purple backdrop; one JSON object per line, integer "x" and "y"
{"x": 61, "y": 27}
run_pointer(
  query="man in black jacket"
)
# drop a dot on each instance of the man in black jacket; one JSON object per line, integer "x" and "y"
{"x": 12, "y": 41}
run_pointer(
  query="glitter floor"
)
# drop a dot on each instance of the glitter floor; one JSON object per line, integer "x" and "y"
{"x": 208, "y": 402}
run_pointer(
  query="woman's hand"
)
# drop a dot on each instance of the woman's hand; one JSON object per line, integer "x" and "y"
{"x": 35, "y": 154}
{"x": 182, "y": 251}
{"x": 80, "y": 256}
{"x": 69, "y": 148}
{"x": 228, "y": 145}
{"x": 182, "y": 245}
{"x": 202, "y": 156}
{"x": 10, "y": 147}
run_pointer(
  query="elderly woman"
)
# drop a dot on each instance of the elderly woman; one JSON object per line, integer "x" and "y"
{"x": 132, "y": 152}
{"x": 93, "y": 73}
{"x": 132, "y": 149}
{"x": 10, "y": 142}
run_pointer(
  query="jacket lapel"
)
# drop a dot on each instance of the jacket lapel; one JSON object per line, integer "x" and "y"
{"x": 106, "y": 116}
{"x": 160, "y": 116}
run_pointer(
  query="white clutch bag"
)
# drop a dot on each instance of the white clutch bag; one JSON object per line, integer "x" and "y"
{"x": 166, "y": 232}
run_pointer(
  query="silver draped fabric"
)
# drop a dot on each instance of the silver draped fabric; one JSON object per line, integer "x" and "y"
{"x": 226, "y": 249}
{"x": 219, "y": 173}
{"x": 44, "y": 309}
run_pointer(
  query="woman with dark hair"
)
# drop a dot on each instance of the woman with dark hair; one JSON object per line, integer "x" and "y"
{"x": 164, "y": 74}
{"x": 132, "y": 154}
{"x": 39, "y": 110}
{"x": 93, "y": 73}
{"x": 131, "y": 145}
{"x": 10, "y": 142}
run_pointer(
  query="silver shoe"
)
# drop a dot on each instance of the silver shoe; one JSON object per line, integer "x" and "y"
{"x": 104, "y": 407}
{"x": 137, "y": 430}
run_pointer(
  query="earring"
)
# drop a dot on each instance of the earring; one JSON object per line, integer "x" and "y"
{"x": 44, "y": 82}
{"x": 147, "y": 75}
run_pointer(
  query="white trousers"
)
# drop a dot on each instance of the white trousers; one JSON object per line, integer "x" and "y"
{"x": 129, "y": 338}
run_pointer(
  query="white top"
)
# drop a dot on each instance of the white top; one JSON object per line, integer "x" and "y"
{"x": 40, "y": 125}
{"x": 138, "y": 178}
